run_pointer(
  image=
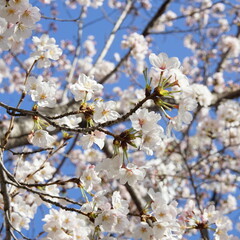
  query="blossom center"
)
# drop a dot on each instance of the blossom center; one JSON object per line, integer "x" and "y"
{"x": 141, "y": 122}
{"x": 143, "y": 230}
{"x": 89, "y": 178}
{"x": 43, "y": 96}
{"x": 11, "y": 11}
{"x": 163, "y": 66}
{"x": 105, "y": 112}
{"x": 26, "y": 13}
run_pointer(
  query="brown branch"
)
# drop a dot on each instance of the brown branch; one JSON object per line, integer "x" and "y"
{"x": 60, "y": 19}
{"x": 225, "y": 54}
{"x": 65, "y": 157}
{"x": 228, "y": 95}
{"x": 159, "y": 13}
{"x": 6, "y": 200}
{"x": 145, "y": 32}
{"x": 116, "y": 27}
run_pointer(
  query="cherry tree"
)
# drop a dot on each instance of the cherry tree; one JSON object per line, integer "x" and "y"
{"x": 105, "y": 134}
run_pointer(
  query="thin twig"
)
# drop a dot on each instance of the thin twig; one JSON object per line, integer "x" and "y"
{"x": 113, "y": 34}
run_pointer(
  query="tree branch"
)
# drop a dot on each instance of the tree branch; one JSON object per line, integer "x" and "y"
{"x": 145, "y": 32}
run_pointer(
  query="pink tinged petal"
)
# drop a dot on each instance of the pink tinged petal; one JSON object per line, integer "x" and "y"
{"x": 163, "y": 57}
{"x": 155, "y": 60}
{"x": 173, "y": 62}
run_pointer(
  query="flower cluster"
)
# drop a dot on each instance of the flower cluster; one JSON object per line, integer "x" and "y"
{"x": 18, "y": 19}
{"x": 231, "y": 45}
{"x": 64, "y": 225}
{"x": 151, "y": 133}
{"x": 164, "y": 219}
{"x": 165, "y": 20}
{"x": 45, "y": 49}
{"x": 115, "y": 168}
{"x": 100, "y": 70}
{"x": 209, "y": 219}
{"x": 104, "y": 164}
{"x": 87, "y": 3}
{"x": 85, "y": 88}
{"x": 42, "y": 91}
{"x": 166, "y": 73}
{"x": 114, "y": 220}
{"x": 138, "y": 45}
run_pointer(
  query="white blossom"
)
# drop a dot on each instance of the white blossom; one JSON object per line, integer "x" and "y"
{"x": 231, "y": 45}
{"x": 45, "y": 94}
{"x": 151, "y": 140}
{"x": 10, "y": 13}
{"x": 202, "y": 94}
{"x": 143, "y": 231}
{"x": 119, "y": 204}
{"x": 111, "y": 165}
{"x": 96, "y": 137}
{"x": 161, "y": 62}
{"x": 4, "y": 70}
{"x": 89, "y": 178}
{"x": 22, "y": 31}
{"x": 41, "y": 138}
{"x": 89, "y": 46}
{"x": 5, "y": 44}
{"x": 145, "y": 121}
{"x": 65, "y": 225}
{"x": 107, "y": 220}
{"x": 122, "y": 223}
{"x": 104, "y": 111}
{"x": 138, "y": 44}
{"x": 84, "y": 88}
{"x": 70, "y": 121}
{"x": 131, "y": 174}
{"x": 29, "y": 15}
{"x": 45, "y": 49}
{"x": 34, "y": 171}
{"x": 3, "y": 25}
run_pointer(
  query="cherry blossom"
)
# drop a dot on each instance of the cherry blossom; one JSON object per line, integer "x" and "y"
{"x": 84, "y": 88}
{"x": 100, "y": 142}
{"x": 89, "y": 178}
{"x": 143, "y": 231}
{"x": 202, "y": 94}
{"x": 70, "y": 121}
{"x": 151, "y": 141}
{"x": 104, "y": 112}
{"x": 131, "y": 174}
{"x": 144, "y": 121}
{"x": 96, "y": 137}
{"x": 41, "y": 138}
{"x": 30, "y": 170}
{"x": 45, "y": 49}
{"x": 138, "y": 43}
{"x": 44, "y": 94}
{"x": 161, "y": 62}
{"x": 119, "y": 204}
{"x": 111, "y": 165}
{"x": 3, "y": 25}
{"x": 29, "y": 15}
{"x": 65, "y": 225}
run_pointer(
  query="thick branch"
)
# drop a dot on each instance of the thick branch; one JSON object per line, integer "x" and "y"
{"x": 6, "y": 201}
{"x": 24, "y": 125}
